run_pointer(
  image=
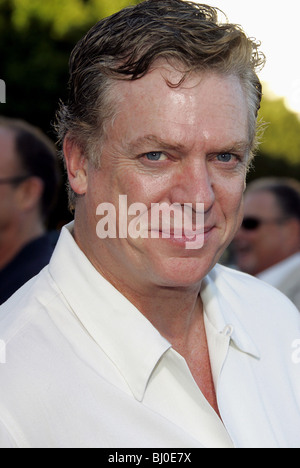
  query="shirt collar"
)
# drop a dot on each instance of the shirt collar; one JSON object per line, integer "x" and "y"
{"x": 104, "y": 312}
{"x": 224, "y": 309}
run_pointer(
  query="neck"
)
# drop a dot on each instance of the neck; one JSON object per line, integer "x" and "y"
{"x": 175, "y": 313}
{"x": 15, "y": 236}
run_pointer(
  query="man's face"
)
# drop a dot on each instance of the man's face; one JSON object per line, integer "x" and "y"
{"x": 9, "y": 167}
{"x": 260, "y": 248}
{"x": 176, "y": 145}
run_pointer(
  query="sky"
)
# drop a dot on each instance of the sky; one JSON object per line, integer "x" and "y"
{"x": 276, "y": 24}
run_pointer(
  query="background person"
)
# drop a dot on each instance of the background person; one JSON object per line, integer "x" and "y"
{"x": 29, "y": 181}
{"x": 139, "y": 341}
{"x": 268, "y": 243}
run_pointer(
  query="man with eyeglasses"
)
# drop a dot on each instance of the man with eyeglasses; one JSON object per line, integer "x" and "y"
{"x": 268, "y": 243}
{"x": 28, "y": 184}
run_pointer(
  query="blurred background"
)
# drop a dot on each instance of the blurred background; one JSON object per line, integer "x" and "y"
{"x": 36, "y": 38}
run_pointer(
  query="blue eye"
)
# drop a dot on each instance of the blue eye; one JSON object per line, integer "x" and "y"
{"x": 224, "y": 157}
{"x": 155, "y": 156}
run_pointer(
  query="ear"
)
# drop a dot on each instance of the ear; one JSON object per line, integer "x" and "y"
{"x": 76, "y": 164}
{"x": 292, "y": 234}
{"x": 29, "y": 193}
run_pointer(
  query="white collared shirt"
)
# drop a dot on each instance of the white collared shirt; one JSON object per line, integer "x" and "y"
{"x": 84, "y": 368}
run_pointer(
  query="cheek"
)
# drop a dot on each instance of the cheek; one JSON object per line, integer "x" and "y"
{"x": 230, "y": 198}
{"x": 262, "y": 245}
{"x": 8, "y": 200}
{"x": 143, "y": 188}
{"x": 270, "y": 240}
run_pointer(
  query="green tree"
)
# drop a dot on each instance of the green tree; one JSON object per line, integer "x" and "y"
{"x": 279, "y": 152}
{"x": 36, "y": 38}
{"x": 62, "y": 16}
{"x": 282, "y": 135}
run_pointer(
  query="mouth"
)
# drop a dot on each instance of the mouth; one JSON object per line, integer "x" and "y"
{"x": 189, "y": 239}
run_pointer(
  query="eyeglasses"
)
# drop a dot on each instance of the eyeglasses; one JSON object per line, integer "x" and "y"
{"x": 252, "y": 224}
{"x": 14, "y": 180}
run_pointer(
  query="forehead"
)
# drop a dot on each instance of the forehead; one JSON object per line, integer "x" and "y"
{"x": 8, "y": 158}
{"x": 204, "y": 105}
{"x": 261, "y": 203}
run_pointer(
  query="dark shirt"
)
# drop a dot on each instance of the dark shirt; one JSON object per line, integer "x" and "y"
{"x": 26, "y": 264}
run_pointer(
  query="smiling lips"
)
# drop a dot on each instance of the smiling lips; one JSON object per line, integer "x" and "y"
{"x": 191, "y": 240}
{"x": 179, "y": 233}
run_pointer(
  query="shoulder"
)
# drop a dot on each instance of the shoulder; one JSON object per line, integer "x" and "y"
{"x": 239, "y": 282}
{"x": 291, "y": 280}
{"x": 26, "y": 304}
{"x": 253, "y": 299}
{"x": 258, "y": 313}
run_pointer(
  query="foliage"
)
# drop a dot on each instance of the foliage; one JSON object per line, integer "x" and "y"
{"x": 282, "y": 135}
{"x": 36, "y": 38}
{"x": 62, "y": 16}
{"x": 279, "y": 152}
{"x": 266, "y": 165}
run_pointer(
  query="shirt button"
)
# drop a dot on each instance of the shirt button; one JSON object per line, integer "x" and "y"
{"x": 228, "y": 330}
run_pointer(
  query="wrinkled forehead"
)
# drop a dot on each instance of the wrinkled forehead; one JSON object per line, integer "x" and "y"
{"x": 261, "y": 203}
{"x": 203, "y": 104}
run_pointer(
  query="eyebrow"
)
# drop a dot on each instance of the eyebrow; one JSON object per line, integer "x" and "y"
{"x": 152, "y": 139}
{"x": 238, "y": 146}
{"x": 136, "y": 145}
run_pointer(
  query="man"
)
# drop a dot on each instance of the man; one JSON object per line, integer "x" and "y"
{"x": 28, "y": 184}
{"x": 131, "y": 337}
{"x": 268, "y": 243}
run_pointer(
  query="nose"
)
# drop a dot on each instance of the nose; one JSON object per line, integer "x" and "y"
{"x": 193, "y": 184}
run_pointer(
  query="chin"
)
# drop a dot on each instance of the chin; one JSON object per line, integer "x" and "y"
{"x": 183, "y": 272}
